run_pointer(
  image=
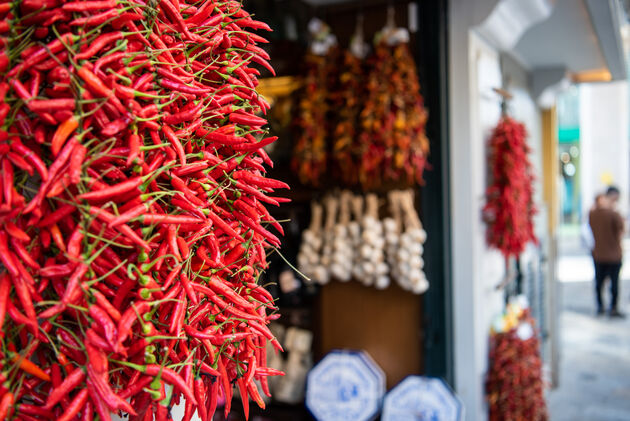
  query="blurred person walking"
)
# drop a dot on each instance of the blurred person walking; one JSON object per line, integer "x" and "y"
{"x": 607, "y": 226}
{"x": 586, "y": 233}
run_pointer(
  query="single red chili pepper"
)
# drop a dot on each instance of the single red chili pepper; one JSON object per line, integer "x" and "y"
{"x": 263, "y": 62}
{"x": 112, "y": 191}
{"x": 88, "y": 411}
{"x": 6, "y": 256}
{"x": 257, "y": 229}
{"x": 217, "y": 284}
{"x": 76, "y": 162}
{"x": 200, "y": 394}
{"x": 170, "y": 377}
{"x": 24, "y": 254}
{"x": 63, "y": 132}
{"x": 172, "y": 242}
{"x": 218, "y": 222}
{"x": 98, "y": 87}
{"x": 136, "y": 387}
{"x": 227, "y": 389}
{"x": 7, "y": 181}
{"x": 16, "y": 232}
{"x": 36, "y": 411}
{"x": 105, "y": 304}
{"x": 20, "y": 318}
{"x": 180, "y": 202}
{"x": 268, "y": 371}
{"x": 74, "y": 243}
{"x": 97, "y": 341}
{"x": 182, "y": 87}
{"x": 222, "y": 138}
{"x": 115, "y": 127}
{"x": 5, "y": 288}
{"x": 57, "y": 215}
{"x": 84, "y": 6}
{"x": 171, "y": 277}
{"x": 235, "y": 255}
{"x": 256, "y": 193}
{"x": 172, "y": 138}
{"x": 95, "y": 20}
{"x": 224, "y": 305}
{"x": 253, "y": 392}
{"x": 248, "y": 147}
{"x": 29, "y": 367}
{"x": 99, "y": 404}
{"x": 128, "y": 318}
{"x": 183, "y": 248}
{"x": 50, "y": 270}
{"x": 5, "y": 405}
{"x": 213, "y": 263}
{"x": 75, "y": 406}
{"x": 134, "y": 148}
{"x": 51, "y": 105}
{"x": 259, "y": 181}
{"x": 152, "y": 218}
{"x": 179, "y": 78}
{"x": 175, "y": 325}
{"x": 71, "y": 382}
{"x": 57, "y": 237}
{"x": 102, "y": 319}
{"x": 19, "y": 162}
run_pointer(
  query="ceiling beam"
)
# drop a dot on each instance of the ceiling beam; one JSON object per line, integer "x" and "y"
{"x": 510, "y": 19}
{"x": 606, "y": 18}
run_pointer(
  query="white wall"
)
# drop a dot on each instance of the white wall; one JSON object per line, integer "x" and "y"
{"x": 604, "y": 140}
{"x": 475, "y": 269}
{"x": 475, "y": 69}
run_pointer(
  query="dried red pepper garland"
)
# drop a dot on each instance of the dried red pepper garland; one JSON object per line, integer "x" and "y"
{"x": 132, "y": 208}
{"x": 310, "y": 153}
{"x": 514, "y": 387}
{"x": 347, "y": 98}
{"x": 509, "y": 208}
{"x": 393, "y": 143}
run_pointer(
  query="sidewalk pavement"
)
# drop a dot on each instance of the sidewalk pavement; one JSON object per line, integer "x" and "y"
{"x": 595, "y": 351}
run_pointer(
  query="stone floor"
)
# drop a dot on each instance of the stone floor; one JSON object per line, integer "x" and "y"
{"x": 595, "y": 351}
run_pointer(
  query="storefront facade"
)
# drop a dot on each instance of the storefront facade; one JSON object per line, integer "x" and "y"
{"x": 491, "y": 46}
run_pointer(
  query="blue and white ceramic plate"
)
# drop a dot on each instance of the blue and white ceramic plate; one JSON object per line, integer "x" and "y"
{"x": 419, "y": 398}
{"x": 345, "y": 385}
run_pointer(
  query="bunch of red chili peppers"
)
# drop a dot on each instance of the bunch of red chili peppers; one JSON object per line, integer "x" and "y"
{"x": 393, "y": 140}
{"x": 133, "y": 227}
{"x": 514, "y": 387}
{"x": 375, "y": 135}
{"x": 509, "y": 208}
{"x": 347, "y": 99}
{"x": 310, "y": 154}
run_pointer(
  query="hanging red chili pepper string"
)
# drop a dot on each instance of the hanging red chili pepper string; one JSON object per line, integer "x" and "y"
{"x": 133, "y": 230}
{"x": 310, "y": 154}
{"x": 509, "y": 208}
{"x": 514, "y": 385}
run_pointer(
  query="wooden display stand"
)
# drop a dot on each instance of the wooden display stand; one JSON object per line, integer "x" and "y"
{"x": 385, "y": 323}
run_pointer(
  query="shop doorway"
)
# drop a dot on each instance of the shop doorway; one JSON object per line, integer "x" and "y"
{"x": 594, "y": 368}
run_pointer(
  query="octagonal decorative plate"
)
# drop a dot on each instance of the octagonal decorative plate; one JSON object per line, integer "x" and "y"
{"x": 345, "y": 385}
{"x": 419, "y": 398}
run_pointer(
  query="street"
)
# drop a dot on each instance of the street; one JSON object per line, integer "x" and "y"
{"x": 595, "y": 351}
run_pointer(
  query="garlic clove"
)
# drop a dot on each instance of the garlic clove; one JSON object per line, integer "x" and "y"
{"x": 382, "y": 282}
